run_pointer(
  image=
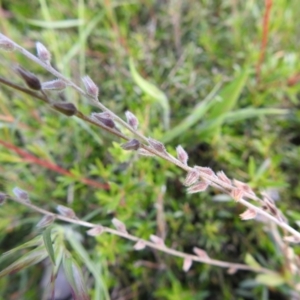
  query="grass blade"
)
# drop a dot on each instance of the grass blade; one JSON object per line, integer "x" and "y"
{"x": 48, "y": 243}
{"x": 153, "y": 91}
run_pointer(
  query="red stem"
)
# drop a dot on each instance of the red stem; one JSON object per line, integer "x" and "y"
{"x": 51, "y": 166}
{"x": 264, "y": 40}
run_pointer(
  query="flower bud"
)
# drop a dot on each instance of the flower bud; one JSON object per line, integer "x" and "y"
{"x": 43, "y": 53}
{"x": 95, "y": 231}
{"x": 108, "y": 122}
{"x": 66, "y": 211}
{"x": 120, "y": 226}
{"x": 182, "y": 155}
{"x": 56, "y": 84}
{"x": 21, "y": 194}
{"x": 90, "y": 86}
{"x": 131, "y": 145}
{"x": 45, "y": 221}
{"x": 132, "y": 120}
{"x": 158, "y": 146}
{"x": 30, "y": 79}
{"x": 67, "y": 108}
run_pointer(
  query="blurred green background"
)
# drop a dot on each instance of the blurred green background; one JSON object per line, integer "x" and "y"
{"x": 202, "y": 56}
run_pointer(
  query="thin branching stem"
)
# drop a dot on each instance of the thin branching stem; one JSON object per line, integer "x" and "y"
{"x": 162, "y": 248}
{"x": 212, "y": 179}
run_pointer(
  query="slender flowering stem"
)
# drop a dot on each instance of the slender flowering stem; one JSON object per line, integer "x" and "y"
{"x": 162, "y": 248}
{"x": 149, "y": 145}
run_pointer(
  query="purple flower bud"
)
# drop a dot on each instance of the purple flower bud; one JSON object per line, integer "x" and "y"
{"x": 139, "y": 245}
{"x": 108, "y": 122}
{"x": 120, "y": 226}
{"x": 66, "y": 211}
{"x": 45, "y": 221}
{"x": 222, "y": 176}
{"x": 56, "y": 84}
{"x": 90, "y": 86}
{"x": 131, "y": 145}
{"x": 237, "y": 194}
{"x": 249, "y": 214}
{"x": 67, "y": 108}
{"x": 182, "y": 155}
{"x": 205, "y": 170}
{"x": 157, "y": 240}
{"x": 158, "y": 146}
{"x": 201, "y": 253}
{"x": 30, "y": 79}
{"x": 132, "y": 120}
{"x": 21, "y": 194}
{"x": 198, "y": 187}
{"x": 43, "y": 53}
{"x": 191, "y": 178}
{"x": 95, "y": 231}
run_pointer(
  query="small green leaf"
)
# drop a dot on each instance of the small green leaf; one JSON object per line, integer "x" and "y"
{"x": 75, "y": 279}
{"x": 56, "y": 24}
{"x": 31, "y": 258}
{"x": 37, "y": 241}
{"x": 250, "y": 261}
{"x": 229, "y": 95}
{"x": 151, "y": 90}
{"x": 251, "y": 112}
{"x": 48, "y": 243}
{"x": 271, "y": 280}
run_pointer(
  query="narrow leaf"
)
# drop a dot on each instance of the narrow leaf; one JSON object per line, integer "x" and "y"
{"x": 271, "y": 280}
{"x": 250, "y": 261}
{"x": 151, "y": 90}
{"x": 75, "y": 279}
{"x": 31, "y": 258}
{"x": 48, "y": 243}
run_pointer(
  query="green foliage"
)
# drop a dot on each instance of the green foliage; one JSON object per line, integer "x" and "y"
{"x": 193, "y": 71}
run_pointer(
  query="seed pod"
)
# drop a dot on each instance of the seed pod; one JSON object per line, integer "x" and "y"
{"x": 108, "y": 122}
{"x": 67, "y": 108}
{"x": 131, "y": 145}
{"x": 30, "y": 79}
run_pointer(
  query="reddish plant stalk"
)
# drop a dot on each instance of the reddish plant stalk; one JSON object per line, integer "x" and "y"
{"x": 264, "y": 40}
{"x": 51, "y": 166}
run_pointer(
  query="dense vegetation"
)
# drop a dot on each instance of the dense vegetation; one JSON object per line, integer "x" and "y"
{"x": 227, "y": 97}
